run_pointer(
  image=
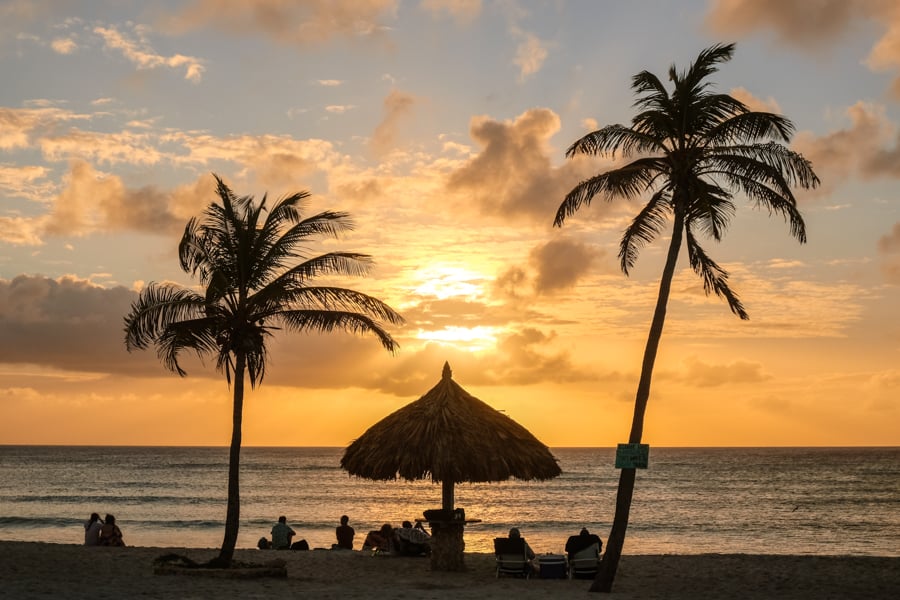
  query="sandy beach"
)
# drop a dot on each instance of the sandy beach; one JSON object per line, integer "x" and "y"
{"x": 32, "y": 570}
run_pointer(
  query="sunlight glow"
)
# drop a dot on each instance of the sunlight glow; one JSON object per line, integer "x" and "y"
{"x": 467, "y": 338}
{"x": 444, "y": 282}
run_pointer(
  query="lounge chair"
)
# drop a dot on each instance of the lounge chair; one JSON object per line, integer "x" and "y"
{"x": 584, "y": 563}
{"x": 511, "y": 557}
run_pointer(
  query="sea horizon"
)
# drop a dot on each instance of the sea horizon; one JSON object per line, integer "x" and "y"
{"x": 812, "y": 500}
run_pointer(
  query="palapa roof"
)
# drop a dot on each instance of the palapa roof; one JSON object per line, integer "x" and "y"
{"x": 448, "y": 435}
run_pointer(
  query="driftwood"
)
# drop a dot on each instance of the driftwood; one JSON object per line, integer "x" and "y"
{"x": 176, "y": 564}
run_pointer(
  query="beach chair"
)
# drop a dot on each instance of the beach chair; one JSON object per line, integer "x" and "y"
{"x": 584, "y": 563}
{"x": 511, "y": 558}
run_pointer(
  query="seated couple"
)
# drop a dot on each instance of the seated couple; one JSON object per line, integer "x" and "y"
{"x": 406, "y": 541}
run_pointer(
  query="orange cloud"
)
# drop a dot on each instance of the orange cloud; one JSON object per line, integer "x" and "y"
{"x": 143, "y": 56}
{"x": 463, "y": 11}
{"x": 754, "y": 103}
{"x": 94, "y": 202}
{"x": 561, "y": 263}
{"x": 397, "y": 106}
{"x": 858, "y": 150}
{"x": 513, "y": 176}
{"x": 889, "y": 248}
{"x": 299, "y": 23}
{"x": 815, "y": 25}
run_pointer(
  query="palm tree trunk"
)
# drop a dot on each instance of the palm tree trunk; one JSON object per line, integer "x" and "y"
{"x": 610, "y": 563}
{"x": 233, "y": 514}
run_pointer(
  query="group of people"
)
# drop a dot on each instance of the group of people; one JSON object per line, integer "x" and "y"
{"x": 407, "y": 540}
{"x": 102, "y": 532}
{"x": 575, "y": 544}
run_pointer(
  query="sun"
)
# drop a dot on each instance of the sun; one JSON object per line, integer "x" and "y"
{"x": 467, "y": 285}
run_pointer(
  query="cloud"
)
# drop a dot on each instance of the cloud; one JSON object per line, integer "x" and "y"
{"x": 19, "y": 125}
{"x": 329, "y": 82}
{"x": 889, "y": 248}
{"x": 144, "y": 57}
{"x": 64, "y": 45}
{"x": 561, "y": 263}
{"x": 20, "y": 231}
{"x": 295, "y": 23}
{"x": 513, "y": 176}
{"x": 339, "y": 109}
{"x": 815, "y": 27}
{"x": 67, "y": 323}
{"x": 862, "y": 149}
{"x": 94, "y": 202}
{"x": 701, "y": 374}
{"x": 464, "y": 11}
{"x": 397, "y": 107}
{"x": 530, "y": 56}
{"x": 754, "y": 103}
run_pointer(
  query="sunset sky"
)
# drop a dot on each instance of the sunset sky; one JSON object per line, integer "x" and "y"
{"x": 441, "y": 126}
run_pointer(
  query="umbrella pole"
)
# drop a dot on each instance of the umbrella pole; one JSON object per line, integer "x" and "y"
{"x": 447, "y": 495}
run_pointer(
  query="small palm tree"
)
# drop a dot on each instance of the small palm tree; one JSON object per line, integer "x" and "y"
{"x": 691, "y": 151}
{"x": 253, "y": 265}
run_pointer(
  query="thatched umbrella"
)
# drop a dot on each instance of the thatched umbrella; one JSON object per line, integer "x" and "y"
{"x": 451, "y": 437}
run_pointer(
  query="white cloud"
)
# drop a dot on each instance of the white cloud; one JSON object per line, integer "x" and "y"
{"x": 143, "y": 56}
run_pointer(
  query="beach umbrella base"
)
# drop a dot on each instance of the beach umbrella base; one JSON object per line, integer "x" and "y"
{"x": 447, "y": 546}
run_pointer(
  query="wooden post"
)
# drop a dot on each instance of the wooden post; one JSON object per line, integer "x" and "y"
{"x": 447, "y": 496}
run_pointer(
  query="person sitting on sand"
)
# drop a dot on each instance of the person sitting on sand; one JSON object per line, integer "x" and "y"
{"x": 282, "y": 534}
{"x": 585, "y": 539}
{"x": 381, "y": 540}
{"x": 110, "y": 534}
{"x": 92, "y": 530}
{"x": 344, "y": 535}
{"x": 413, "y": 541}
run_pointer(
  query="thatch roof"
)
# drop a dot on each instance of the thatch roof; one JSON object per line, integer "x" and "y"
{"x": 449, "y": 436}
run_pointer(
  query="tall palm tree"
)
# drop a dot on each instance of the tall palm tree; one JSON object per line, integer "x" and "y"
{"x": 254, "y": 266}
{"x": 690, "y": 152}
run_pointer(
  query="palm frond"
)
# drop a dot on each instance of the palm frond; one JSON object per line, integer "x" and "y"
{"x": 157, "y": 307}
{"x": 711, "y": 208}
{"x": 627, "y": 182}
{"x": 612, "y": 140}
{"x": 644, "y": 228}
{"x": 715, "y": 278}
{"x": 326, "y": 321}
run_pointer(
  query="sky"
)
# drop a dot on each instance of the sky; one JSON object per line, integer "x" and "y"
{"x": 441, "y": 127}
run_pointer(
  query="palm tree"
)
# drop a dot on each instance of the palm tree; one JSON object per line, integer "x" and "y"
{"x": 690, "y": 152}
{"x": 256, "y": 273}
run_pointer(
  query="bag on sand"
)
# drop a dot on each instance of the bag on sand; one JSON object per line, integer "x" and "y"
{"x": 301, "y": 545}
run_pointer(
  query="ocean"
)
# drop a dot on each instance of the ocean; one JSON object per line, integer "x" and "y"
{"x": 822, "y": 501}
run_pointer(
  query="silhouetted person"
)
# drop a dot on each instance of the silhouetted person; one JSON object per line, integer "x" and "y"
{"x": 585, "y": 539}
{"x": 282, "y": 534}
{"x": 110, "y": 534}
{"x": 413, "y": 541}
{"x": 344, "y": 534}
{"x": 92, "y": 530}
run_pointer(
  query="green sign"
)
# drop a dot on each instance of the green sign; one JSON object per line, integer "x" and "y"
{"x": 632, "y": 456}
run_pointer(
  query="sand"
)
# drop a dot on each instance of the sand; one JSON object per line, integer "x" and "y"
{"x": 38, "y": 570}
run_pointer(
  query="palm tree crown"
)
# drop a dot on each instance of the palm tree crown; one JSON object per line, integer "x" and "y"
{"x": 694, "y": 149}
{"x": 243, "y": 256}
